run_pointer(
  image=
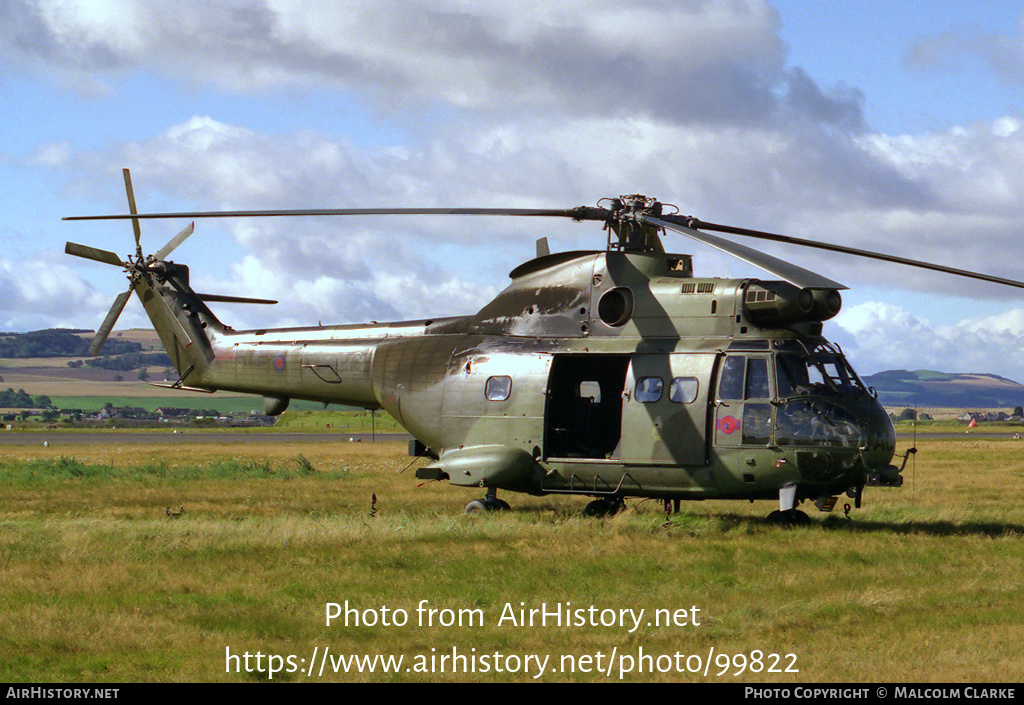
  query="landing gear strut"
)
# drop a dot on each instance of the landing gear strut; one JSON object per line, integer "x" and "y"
{"x": 490, "y": 503}
{"x": 787, "y": 514}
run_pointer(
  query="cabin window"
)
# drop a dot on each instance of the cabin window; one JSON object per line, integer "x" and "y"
{"x": 498, "y": 388}
{"x": 591, "y": 390}
{"x": 683, "y": 390}
{"x": 648, "y": 389}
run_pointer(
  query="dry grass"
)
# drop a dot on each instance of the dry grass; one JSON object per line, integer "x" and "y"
{"x": 923, "y": 584}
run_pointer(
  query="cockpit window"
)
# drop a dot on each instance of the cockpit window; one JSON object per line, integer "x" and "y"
{"x": 731, "y": 384}
{"x": 757, "y": 379}
{"x": 744, "y": 378}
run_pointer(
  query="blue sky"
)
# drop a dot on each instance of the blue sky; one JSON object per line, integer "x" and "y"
{"x": 874, "y": 46}
{"x": 895, "y": 128}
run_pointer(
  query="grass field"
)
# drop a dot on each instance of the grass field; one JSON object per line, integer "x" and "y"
{"x": 923, "y": 584}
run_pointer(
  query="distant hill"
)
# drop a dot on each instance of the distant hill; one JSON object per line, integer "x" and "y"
{"x": 929, "y": 388}
{"x": 58, "y": 342}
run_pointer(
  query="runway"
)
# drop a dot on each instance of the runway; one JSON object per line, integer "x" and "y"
{"x": 59, "y": 438}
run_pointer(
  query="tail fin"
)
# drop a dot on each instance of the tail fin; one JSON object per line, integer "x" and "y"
{"x": 179, "y": 314}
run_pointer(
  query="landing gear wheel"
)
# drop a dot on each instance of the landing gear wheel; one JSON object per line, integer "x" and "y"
{"x": 792, "y": 517}
{"x": 604, "y": 507}
{"x": 487, "y": 504}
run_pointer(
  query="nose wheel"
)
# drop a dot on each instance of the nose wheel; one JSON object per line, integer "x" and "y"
{"x": 790, "y": 517}
{"x": 787, "y": 514}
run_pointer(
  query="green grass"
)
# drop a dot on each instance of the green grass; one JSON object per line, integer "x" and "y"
{"x": 55, "y": 471}
{"x": 340, "y": 420}
{"x": 923, "y": 584}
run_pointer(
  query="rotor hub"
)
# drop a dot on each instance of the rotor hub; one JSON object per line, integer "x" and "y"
{"x": 626, "y": 222}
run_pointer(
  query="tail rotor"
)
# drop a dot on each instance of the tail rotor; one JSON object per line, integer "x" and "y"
{"x": 135, "y": 267}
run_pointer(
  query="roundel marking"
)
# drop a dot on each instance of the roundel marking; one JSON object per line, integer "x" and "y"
{"x": 728, "y": 424}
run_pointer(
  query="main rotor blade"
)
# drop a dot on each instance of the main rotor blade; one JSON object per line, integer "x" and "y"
{"x": 132, "y": 209}
{"x": 175, "y": 241}
{"x": 105, "y": 256}
{"x": 108, "y": 322}
{"x": 795, "y": 275}
{"x": 580, "y": 213}
{"x": 233, "y": 299}
{"x": 693, "y": 222}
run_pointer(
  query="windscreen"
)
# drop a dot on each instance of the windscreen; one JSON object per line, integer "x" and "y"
{"x": 821, "y": 371}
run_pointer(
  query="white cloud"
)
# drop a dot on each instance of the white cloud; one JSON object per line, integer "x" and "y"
{"x": 52, "y": 154}
{"x": 720, "y": 61}
{"x": 878, "y": 336}
{"x": 41, "y": 294}
{"x": 551, "y": 106}
{"x": 1003, "y": 53}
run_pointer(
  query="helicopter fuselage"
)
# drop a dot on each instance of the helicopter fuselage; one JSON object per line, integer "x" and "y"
{"x": 602, "y": 373}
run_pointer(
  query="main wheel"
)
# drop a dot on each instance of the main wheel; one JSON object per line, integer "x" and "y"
{"x": 604, "y": 507}
{"x": 792, "y": 517}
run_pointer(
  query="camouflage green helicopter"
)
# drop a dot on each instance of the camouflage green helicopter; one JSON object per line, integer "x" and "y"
{"x": 613, "y": 373}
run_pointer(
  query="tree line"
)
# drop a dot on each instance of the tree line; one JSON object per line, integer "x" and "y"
{"x": 20, "y": 399}
{"x": 127, "y": 361}
{"x": 58, "y": 342}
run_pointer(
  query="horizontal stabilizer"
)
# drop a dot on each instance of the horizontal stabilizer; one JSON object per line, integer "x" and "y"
{"x": 167, "y": 385}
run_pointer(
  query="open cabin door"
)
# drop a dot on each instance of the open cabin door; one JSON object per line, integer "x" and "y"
{"x": 584, "y": 405}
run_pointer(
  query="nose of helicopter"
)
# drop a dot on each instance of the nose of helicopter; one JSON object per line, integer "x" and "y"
{"x": 880, "y": 436}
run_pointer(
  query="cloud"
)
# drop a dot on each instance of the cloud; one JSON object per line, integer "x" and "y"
{"x": 1002, "y": 53}
{"x": 721, "y": 61}
{"x": 550, "y": 106}
{"x": 40, "y": 293}
{"x": 320, "y": 299}
{"x": 878, "y": 336}
{"x": 942, "y": 197}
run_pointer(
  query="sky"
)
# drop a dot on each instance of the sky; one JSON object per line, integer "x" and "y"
{"x": 896, "y": 128}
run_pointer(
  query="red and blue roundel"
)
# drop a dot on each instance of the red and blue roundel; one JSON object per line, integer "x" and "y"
{"x": 728, "y": 424}
{"x": 279, "y": 363}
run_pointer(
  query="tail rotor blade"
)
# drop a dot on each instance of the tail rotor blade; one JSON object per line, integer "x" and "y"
{"x": 108, "y": 322}
{"x": 105, "y": 256}
{"x": 175, "y": 241}
{"x": 132, "y": 209}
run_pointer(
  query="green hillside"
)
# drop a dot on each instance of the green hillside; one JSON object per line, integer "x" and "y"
{"x": 930, "y": 388}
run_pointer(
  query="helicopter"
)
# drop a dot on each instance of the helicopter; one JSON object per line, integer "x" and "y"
{"x": 611, "y": 373}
